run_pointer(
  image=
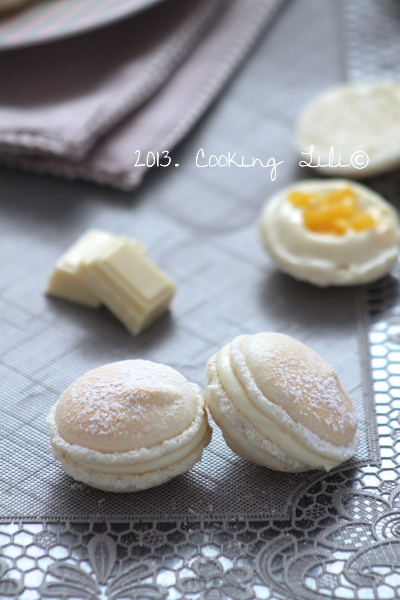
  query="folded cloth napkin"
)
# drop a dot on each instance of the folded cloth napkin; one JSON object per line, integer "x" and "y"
{"x": 95, "y": 106}
{"x": 60, "y": 98}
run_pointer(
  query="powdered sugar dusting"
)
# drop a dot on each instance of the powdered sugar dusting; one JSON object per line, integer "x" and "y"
{"x": 297, "y": 386}
{"x": 105, "y": 399}
{"x": 310, "y": 388}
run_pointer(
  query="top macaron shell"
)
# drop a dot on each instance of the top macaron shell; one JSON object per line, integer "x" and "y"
{"x": 296, "y": 386}
{"x": 115, "y": 408}
{"x": 356, "y": 124}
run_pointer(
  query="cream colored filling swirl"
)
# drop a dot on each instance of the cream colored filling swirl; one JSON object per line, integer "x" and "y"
{"x": 264, "y": 425}
{"x": 157, "y": 463}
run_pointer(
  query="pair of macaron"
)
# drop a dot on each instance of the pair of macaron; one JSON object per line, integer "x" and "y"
{"x": 135, "y": 424}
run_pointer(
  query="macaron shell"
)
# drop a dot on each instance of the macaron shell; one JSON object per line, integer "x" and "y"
{"x": 352, "y": 118}
{"x": 131, "y": 425}
{"x": 241, "y": 435}
{"x": 294, "y": 377}
{"x": 126, "y": 406}
{"x": 265, "y": 414}
{"x": 136, "y": 460}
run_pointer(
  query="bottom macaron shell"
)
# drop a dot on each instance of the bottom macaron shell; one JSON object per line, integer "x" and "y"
{"x": 124, "y": 483}
{"x": 323, "y": 258}
{"x": 240, "y": 435}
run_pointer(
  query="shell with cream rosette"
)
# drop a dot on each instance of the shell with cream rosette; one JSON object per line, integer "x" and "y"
{"x": 323, "y": 258}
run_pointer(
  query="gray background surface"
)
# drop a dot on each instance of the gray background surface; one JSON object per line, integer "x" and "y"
{"x": 200, "y": 226}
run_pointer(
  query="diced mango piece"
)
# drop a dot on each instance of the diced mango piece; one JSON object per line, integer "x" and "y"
{"x": 362, "y": 221}
{"x": 340, "y": 195}
{"x": 301, "y": 199}
{"x": 339, "y": 226}
{"x": 335, "y": 212}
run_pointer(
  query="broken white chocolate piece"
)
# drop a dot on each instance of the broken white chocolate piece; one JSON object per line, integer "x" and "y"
{"x": 129, "y": 285}
{"x": 66, "y": 281}
{"x": 101, "y": 268}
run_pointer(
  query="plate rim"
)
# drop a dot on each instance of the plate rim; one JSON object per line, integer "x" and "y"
{"x": 76, "y": 28}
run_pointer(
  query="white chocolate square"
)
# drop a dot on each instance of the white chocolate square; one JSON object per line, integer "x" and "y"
{"x": 67, "y": 280}
{"x": 129, "y": 284}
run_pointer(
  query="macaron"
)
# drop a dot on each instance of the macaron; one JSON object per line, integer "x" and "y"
{"x": 331, "y": 232}
{"x": 351, "y": 130}
{"x": 280, "y": 405}
{"x": 128, "y": 426}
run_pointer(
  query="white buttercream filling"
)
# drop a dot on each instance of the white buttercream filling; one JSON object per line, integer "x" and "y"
{"x": 158, "y": 463}
{"x": 266, "y": 426}
{"x": 135, "y": 461}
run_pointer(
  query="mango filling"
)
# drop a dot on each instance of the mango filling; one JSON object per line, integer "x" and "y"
{"x": 335, "y": 212}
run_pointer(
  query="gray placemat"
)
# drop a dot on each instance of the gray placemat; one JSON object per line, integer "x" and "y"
{"x": 199, "y": 225}
{"x": 226, "y": 286}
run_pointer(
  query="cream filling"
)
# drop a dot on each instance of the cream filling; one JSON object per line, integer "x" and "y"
{"x": 265, "y": 426}
{"x": 157, "y": 463}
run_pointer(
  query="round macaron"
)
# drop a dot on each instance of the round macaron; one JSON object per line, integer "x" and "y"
{"x": 331, "y": 232}
{"x": 279, "y": 404}
{"x": 128, "y": 426}
{"x": 352, "y": 130}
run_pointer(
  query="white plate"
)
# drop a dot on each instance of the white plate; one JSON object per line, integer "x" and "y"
{"x": 49, "y": 20}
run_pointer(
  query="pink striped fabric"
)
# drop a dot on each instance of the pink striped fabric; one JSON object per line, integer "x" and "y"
{"x": 53, "y": 19}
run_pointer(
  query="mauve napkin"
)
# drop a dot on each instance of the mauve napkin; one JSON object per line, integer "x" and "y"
{"x": 90, "y": 106}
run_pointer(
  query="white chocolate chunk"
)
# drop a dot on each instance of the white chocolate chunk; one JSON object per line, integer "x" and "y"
{"x": 101, "y": 268}
{"x": 66, "y": 280}
{"x": 129, "y": 285}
